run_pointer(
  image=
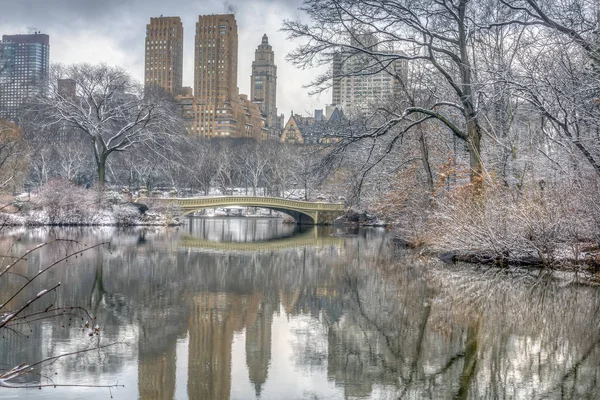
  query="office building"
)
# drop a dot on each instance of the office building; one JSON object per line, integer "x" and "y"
{"x": 215, "y": 75}
{"x": 24, "y": 68}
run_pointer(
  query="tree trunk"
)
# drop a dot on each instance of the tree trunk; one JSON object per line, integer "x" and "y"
{"x": 102, "y": 170}
{"x": 468, "y": 102}
{"x": 306, "y": 189}
{"x": 426, "y": 165}
{"x": 475, "y": 163}
{"x": 470, "y": 363}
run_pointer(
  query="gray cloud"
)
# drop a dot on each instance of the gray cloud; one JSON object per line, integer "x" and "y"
{"x": 113, "y": 31}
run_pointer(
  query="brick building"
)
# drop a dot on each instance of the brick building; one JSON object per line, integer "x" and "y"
{"x": 164, "y": 54}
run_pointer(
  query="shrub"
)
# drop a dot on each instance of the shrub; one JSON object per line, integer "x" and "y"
{"x": 65, "y": 203}
{"x": 546, "y": 222}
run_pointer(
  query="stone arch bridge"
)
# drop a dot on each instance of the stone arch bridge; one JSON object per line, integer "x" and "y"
{"x": 304, "y": 212}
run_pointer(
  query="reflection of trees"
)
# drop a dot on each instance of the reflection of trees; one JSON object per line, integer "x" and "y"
{"x": 413, "y": 329}
{"x": 431, "y": 332}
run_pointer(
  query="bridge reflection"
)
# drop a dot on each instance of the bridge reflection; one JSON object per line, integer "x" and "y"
{"x": 248, "y": 235}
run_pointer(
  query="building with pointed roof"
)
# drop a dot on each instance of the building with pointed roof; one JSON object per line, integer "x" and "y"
{"x": 309, "y": 130}
{"x": 263, "y": 83}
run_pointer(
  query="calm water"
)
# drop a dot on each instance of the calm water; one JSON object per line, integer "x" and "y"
{"x": 248, "y": 309}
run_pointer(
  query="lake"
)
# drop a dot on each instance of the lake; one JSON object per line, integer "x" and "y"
{"x": 244, "y": 308}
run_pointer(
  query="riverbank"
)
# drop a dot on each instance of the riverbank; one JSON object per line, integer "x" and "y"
{"x": 124, "y": 215}
{"x": 552, "y": 227}
{"x": 64, "y": 204}
{"x": 30, "y": 211}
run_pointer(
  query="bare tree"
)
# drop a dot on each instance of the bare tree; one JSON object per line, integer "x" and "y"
{"x": 109, "y": 110}
{"x": 575, "y": 19}
{"x": 13, "y": 156}
{"x": 253, "y": 163}
{"x": 202, "y": 164}
{"x": 562, "y": 91}
{"x": 439, "y": 33}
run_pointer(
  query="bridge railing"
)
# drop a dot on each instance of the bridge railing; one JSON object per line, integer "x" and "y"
{"x": 253, "y": 202}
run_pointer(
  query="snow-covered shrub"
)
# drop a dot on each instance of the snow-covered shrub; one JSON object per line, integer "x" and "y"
{"x": 11, "y": 219}
{"x": 169, "y": 210}
{"x": 126, "y": 214}
{"x": 587, "y": 196}
{"x": 64, "y": 203}
{"x": 542, "y": 221}
{"x": 61, "y": 202}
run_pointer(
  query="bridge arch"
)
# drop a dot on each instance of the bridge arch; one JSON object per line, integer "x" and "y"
{"x": 301, "y": 218}
{"x": 304, "y": 212}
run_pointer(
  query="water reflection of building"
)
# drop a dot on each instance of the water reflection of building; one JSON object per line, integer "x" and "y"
{"x": 258, "y": 346}
{"x": 156, "y": 374}
{"x": 157, "y": 350}
{"x": 215, "y": 317}
{"x": 352, "y": 360}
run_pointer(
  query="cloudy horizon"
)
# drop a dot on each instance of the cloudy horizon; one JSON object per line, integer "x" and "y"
{"x": 113, "y": 32}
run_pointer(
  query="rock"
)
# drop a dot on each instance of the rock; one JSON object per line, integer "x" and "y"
{"x": 447, "y": 258}
{"x": 360, "y": 217}
{"x": 142, "y": 208}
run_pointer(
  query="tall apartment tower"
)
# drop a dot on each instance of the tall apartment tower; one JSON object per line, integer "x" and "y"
{"x": 164, "y": 54}
{"x": 263, "y": 84}
{"x": 336, "y": 89}
{"x": 215, "y": 75}
{"x": 24, "y": 67}
{"x": 360, "y": 84}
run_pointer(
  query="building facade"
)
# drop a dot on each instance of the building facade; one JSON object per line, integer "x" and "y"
{"x": 164, "y": 54}
{"x": 360, "y": 83}
{"x": 313, "y": 130}
{"x": 263, "y": 83}
{"x": 292, "y": 132}
{"x": 250, "y": 122}
{"x": 24, "y": 69}
{"x": 215, "y": 75}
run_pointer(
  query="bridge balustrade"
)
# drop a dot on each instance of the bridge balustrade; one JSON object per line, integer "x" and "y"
{"x": 319, "y": 213}
{"x": 256, "y": 201}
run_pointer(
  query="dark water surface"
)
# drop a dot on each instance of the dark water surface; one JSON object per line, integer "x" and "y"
{"x": 253, "y": 308}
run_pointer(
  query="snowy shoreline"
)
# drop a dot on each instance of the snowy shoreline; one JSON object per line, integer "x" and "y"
{"x": 20, "y": 220}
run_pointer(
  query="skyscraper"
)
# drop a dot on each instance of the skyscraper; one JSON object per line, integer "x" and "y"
{"x": 215, "y": 75}
{"x": 263, "y": 84}
{"x": 24, "y": 67}
{"x": 164, "y": 54}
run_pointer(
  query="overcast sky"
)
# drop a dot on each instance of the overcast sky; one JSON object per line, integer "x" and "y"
{"x": 113, "y": 31}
